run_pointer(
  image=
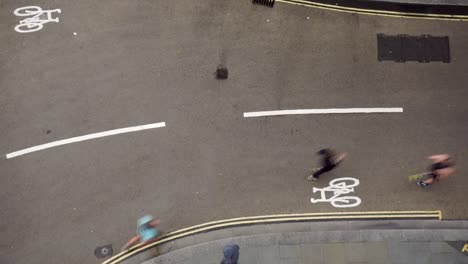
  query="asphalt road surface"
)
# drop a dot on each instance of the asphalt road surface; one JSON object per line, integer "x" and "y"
{"x": 132, "y": 63}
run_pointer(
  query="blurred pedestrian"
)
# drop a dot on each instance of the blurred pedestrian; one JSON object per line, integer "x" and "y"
{"x": 146, "y": 231}
{"x": 230, "y": 254}
{"x": 441, "y": 168}
{"x": 330, "y": 159}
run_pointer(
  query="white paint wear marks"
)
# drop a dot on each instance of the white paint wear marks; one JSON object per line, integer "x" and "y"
{"x": 83, "y": 138}
{"x": 337, "y": 188}
{"x": 325, "y": 111}
{"x": 36, "y": 18}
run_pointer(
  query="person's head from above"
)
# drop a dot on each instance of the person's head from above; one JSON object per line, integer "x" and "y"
{"x": 231, "y": 253}
{"x": 326, "y": 152}
{"x": 449, "y": 162}
{"x": 148, "y": 220}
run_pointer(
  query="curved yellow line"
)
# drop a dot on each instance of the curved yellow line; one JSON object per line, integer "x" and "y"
{"x": 372, "y": 12}
{"x": 271, "y": 219}
{"x": 298, "y": 215}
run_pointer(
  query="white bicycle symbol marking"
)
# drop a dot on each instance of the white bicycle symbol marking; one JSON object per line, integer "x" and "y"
{"x": 339, "y": 187}
{"x": 37, "y": 20}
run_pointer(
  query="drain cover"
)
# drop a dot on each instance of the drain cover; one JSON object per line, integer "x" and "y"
{"x": 104, "y": 251}
{"x": 402, "y": 48}
{"x": 269, "y": 3}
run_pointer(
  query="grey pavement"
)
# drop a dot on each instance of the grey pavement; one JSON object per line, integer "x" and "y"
{"x": 348, "y": 242}
{"x": 138, "y": 62}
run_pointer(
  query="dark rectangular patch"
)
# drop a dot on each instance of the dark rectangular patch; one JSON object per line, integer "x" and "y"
{"x": 402, "y": 48}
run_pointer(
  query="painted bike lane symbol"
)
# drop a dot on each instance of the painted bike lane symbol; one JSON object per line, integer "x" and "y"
{"x": 36, "y": 20}
{"x": 336, "y": 190}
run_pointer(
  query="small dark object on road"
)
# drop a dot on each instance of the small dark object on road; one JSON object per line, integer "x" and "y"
{"x": 230, "y": 254}
{"x": 221, "y": 72}
{"x": 269, "y": 3}
{"x": 104, "y": 251}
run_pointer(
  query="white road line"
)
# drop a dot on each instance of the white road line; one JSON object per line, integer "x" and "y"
{"x": 83, "y": 138}
{"x": 325, "y": 111}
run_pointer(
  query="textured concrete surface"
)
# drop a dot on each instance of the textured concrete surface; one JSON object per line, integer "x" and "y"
{"x": 411, "y": 243}
{"x": 139, "y": 62}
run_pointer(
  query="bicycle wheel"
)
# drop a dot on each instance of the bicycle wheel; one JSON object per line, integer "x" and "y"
{"x": 27, "y": 11}
{"x": 346, "y": 201}
{"x": 343, "y": 182}
{"x": 28, "y": 28}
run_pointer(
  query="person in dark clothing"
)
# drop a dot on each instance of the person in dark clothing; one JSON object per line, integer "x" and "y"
{"x": 442, "y": 167}
{"x": 230, "y": 254}
{"x": 330, "y": 159}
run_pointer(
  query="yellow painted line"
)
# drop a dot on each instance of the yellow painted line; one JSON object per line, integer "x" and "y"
{"x": 373, "y": 12}
{"x": 272, "y": 219}
{"x": 374, "y": 213}
{"x": 465, "y": 248}
{"x": 297, "y": 215}
{"x": 161, "y": 241}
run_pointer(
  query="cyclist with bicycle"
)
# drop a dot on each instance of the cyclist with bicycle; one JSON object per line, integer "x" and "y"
{"x": 441, "y": 168}
{"x": 146, "y": 231}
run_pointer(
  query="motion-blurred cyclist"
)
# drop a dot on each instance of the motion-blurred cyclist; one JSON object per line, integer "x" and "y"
{"x": 146, "y": 231}
{"x": 441, "y": 168}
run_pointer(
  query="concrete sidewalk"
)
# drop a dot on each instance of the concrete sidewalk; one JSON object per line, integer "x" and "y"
{"x": 343, "y": 242}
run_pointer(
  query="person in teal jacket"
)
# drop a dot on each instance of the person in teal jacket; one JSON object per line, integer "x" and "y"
{"x": 146, "y": 231}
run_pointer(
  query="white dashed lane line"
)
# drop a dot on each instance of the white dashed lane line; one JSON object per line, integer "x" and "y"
{"x": 325, "y": 111}
{"x": 83, "y": 138}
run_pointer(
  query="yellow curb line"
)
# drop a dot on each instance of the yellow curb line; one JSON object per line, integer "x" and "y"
{"x": 373, "y": 12}
{"x": 272, "y": 219}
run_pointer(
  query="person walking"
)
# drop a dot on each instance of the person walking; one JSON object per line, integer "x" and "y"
{"x": 330, "y": 159}
{"x": 146, "y": 231}
{"x": 443, "y": 165}
{"x": 230, "y": 254}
